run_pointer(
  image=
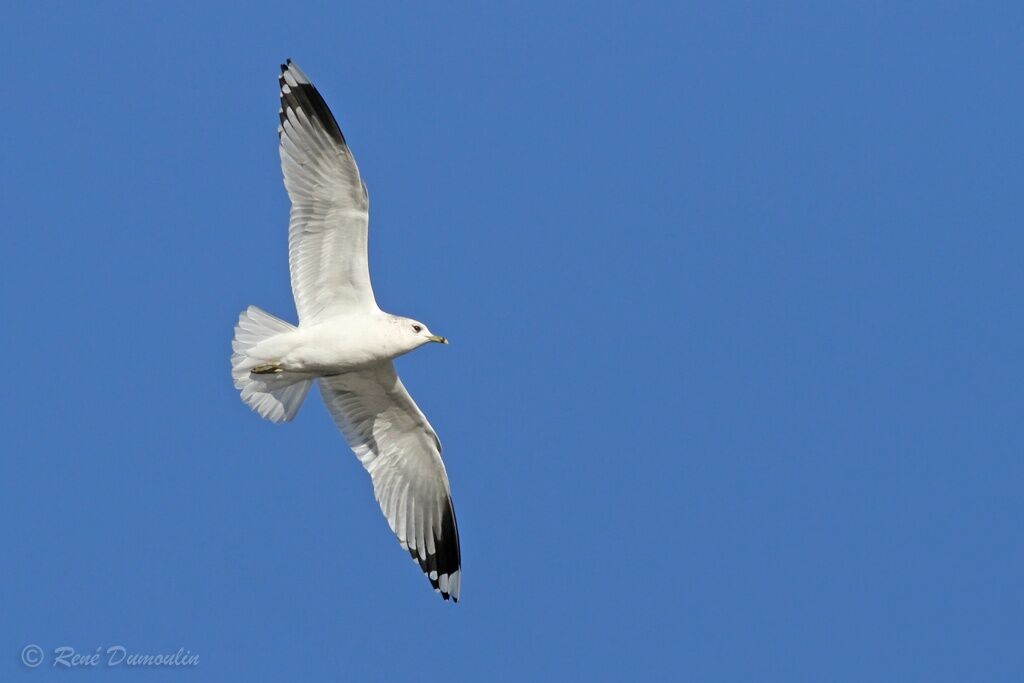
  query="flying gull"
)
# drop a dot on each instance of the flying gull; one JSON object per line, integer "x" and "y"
{"x": 344, "y": 341}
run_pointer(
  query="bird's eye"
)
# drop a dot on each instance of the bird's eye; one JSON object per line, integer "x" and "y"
{"x": 417, "y": 328}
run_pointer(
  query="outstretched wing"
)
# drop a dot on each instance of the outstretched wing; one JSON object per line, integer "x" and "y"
{"x": 400, "y": 450}
{"x": 330, "y": 207}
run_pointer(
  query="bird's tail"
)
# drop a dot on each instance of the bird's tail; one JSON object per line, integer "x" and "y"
{"x": 273, "y": 394}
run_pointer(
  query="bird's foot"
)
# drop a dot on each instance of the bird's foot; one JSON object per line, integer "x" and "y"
{"x": 267, "y": 369}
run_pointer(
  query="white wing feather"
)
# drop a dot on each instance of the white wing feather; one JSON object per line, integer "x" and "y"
{"x": 400, "y": 450}
{"x": 327, "y": 231}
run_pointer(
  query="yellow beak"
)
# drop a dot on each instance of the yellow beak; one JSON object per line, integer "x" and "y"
{"x": 439, "y": 340}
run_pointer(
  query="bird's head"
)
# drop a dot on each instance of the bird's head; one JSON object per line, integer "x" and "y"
{"x": 416, "y": 334}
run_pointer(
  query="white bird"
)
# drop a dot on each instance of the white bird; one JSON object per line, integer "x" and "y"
{"x": 344, "y": 341}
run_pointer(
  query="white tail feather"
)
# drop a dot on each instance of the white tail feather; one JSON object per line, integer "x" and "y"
{"x": 276, "y": 396}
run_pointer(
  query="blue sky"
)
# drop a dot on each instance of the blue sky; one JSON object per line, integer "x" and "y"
{"x": 734, "y": 294}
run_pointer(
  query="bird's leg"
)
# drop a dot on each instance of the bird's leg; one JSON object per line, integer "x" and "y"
{"x": 267, "y": 369}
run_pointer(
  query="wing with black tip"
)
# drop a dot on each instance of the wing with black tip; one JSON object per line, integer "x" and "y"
{"x": 398, "y": 447}
{"x": 327, "y": 231}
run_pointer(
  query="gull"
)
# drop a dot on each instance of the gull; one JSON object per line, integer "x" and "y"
{"x": 344, "y": 341}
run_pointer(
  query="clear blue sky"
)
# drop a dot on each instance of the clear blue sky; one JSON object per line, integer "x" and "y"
{"x": 734, "y": 292}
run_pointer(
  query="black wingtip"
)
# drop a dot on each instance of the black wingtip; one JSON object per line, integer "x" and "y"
{"x": 304, "y": 95}
{"x": 447, "y": 558}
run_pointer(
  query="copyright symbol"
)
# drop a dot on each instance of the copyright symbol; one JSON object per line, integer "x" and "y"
{"x": 32, "y": 656}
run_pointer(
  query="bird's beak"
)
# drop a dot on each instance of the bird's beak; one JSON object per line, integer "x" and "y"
{"x": 439, "y": 340}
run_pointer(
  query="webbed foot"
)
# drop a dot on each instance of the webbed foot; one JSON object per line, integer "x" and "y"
{"x": 267, "y": 369}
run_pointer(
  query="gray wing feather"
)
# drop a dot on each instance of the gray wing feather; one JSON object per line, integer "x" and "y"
{"x": 400, "y": 450}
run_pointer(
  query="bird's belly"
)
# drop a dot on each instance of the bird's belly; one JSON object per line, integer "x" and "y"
{"x": 331, "y": 358}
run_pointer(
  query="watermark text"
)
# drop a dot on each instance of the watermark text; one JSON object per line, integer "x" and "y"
{"x": 67, "y": 657}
